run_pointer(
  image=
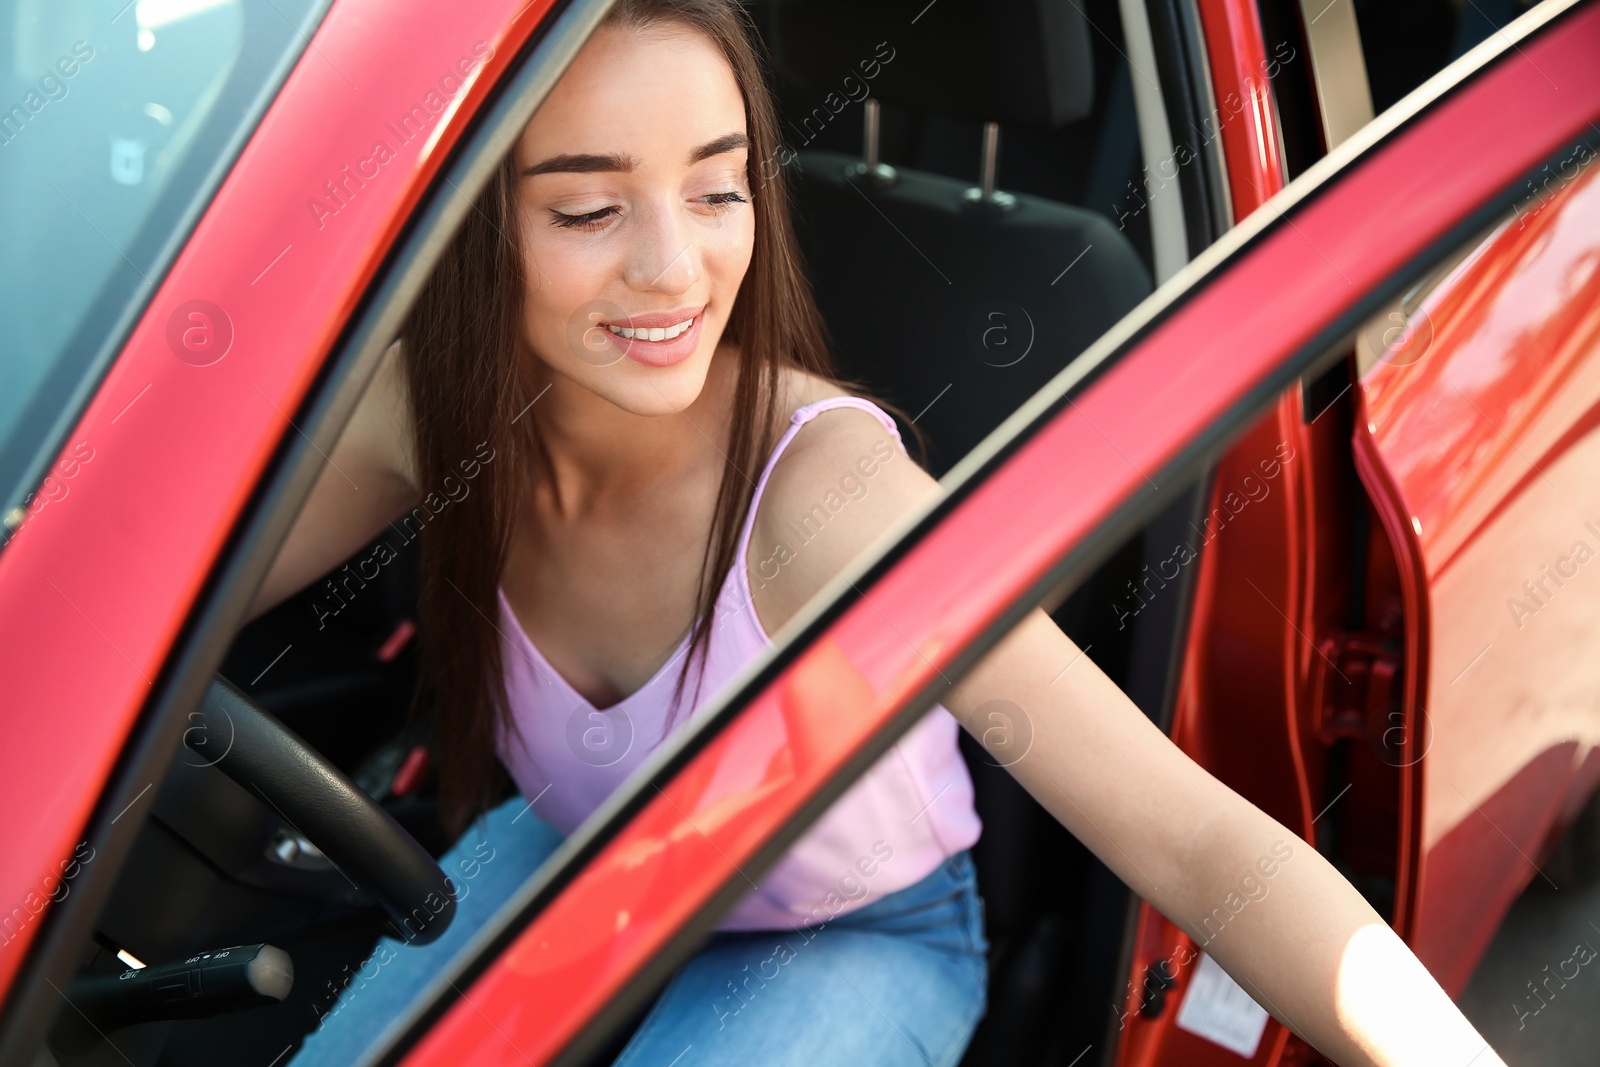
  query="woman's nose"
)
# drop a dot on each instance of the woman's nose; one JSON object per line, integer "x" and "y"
{"x": 664, "y": 257}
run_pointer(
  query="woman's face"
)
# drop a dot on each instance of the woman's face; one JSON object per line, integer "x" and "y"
{"x": 636, "y": 216}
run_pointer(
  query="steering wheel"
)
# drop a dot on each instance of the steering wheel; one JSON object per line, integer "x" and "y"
{"x": 316, "y": 799}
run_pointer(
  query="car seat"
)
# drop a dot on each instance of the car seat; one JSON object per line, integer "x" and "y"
{"x": 955, "y": 299}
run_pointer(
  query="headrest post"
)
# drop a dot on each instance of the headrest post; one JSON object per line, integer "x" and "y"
{"x": 880, "y": 174}
{"x": 991, "y": 150}
{"x": 869, "y": 129}
{"x": 984, "y": 197}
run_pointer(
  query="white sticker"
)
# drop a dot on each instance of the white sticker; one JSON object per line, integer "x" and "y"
{"x": 1216, "y": 1008}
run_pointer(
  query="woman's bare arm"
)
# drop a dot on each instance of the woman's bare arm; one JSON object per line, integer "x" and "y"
{"x": 1309, "y": 949}
{"x": 369, "y": 479}
{"x": 1254, "y": 896}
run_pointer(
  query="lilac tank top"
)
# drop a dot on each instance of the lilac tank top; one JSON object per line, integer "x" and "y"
{"x": 894, "y": 826}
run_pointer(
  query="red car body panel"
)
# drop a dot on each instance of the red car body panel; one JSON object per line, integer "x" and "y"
{"x": 95, "y": 587}
{"x": 1054, "y": 491}
{"x": 1247, "y": 115}
{"x": 1486, "y": 432}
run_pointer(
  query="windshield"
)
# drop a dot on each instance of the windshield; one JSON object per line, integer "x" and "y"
{"x": 117, "y": 119}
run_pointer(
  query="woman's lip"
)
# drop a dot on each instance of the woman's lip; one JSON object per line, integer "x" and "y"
{"x": 657, "y": 319}
{"x": 659, "y": 353}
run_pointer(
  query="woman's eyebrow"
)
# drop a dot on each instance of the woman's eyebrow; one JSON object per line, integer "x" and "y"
{"x": 728, "y": 142}
{"x": 582, "y": 164}
{"x": 618, "y": 163}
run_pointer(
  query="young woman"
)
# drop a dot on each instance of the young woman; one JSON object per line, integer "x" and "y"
{"x": 620, "y": 350}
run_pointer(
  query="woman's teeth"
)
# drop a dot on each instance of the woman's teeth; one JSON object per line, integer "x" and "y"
{"x": 654, "y": 333}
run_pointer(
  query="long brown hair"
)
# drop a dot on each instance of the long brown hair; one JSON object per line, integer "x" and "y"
{"x": 466, "y": 366}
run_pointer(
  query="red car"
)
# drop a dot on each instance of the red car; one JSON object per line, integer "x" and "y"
{"x": 1308, "y": 466}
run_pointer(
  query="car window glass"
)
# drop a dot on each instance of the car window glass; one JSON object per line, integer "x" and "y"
{"x": 113, "y": 115}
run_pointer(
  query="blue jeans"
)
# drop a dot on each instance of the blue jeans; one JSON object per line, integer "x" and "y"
{"x": 901, "y": 981}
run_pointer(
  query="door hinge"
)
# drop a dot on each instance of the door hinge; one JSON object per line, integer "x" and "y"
{"x": 1356, "y": 690}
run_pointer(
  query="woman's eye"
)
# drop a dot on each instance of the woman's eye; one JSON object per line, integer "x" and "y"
{"x": 588, "y": 220}
{"x": 721, "y": 201}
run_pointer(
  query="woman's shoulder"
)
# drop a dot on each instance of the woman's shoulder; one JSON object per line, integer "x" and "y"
{"x": 827, "y": 436}
{"x": 798, "y": 387}
{"x": 844, "y": 481}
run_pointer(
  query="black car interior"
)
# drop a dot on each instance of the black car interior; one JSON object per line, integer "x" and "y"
{"x": 981, "y": 289}
{"x": 961, "y": 233}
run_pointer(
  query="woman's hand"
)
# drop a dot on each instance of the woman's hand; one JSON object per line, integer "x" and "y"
{"x": 1309, "y": 949}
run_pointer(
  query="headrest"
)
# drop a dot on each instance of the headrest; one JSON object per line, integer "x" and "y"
{"x": 1016, "y": 62}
